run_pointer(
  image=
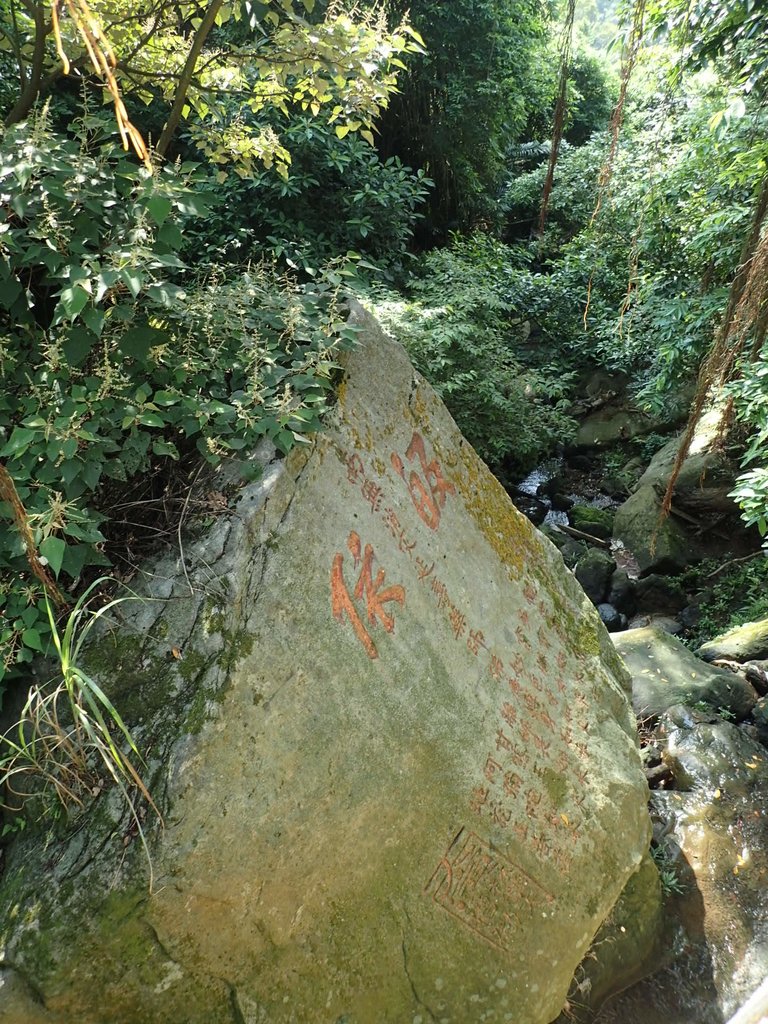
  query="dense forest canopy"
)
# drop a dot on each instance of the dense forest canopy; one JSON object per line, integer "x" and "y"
{"x": 165, "y": 309}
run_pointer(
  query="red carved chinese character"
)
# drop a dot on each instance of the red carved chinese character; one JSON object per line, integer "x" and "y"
{"x": 562, "y": 761}
{"x": 546, "y": 719}
{"x": 518, "y": 665}
{"x": 521, "y": 831}
{"x": 530, "y": 702}
{"x": 541, "y": 744}
{"x": 476, "y": 640}
{"x": 524, "y": 617}
{"x": 566, "y": 734}
{"x": 478, "y": 798}
{"x": 539, "y": 844}
{"x": 529, "y": 593}
{"x": 439, "y": 588}
{"x": 509, "y": 713}
{"x": 512, "y": 783}
{"x": 561, "y": 661}
{"x": 391, "y": 522}
{"x": 429, "y": 498}
{"x": 491, "y": 768}
{"x": 525, "y": 732}
{"x": 423, "y": 570}
{"x": 496, "y": 666}
{"x": 543, "y": 638}
{"x": 522, "y": 638}
{"x": 355, "y": 469}
{"x": 372, "y": 494}
{"x": 514, "y": 685}
{"x": 541, "y": 661}
{"x": 503, "y": 742}
{"x": 517, "y": 756}
{"x": 499, "y": 814}
{"x": 533, "y": 799}
{"x": 366, "y": 586}
{"x": 458, "y": 622}
{"x": 405, "y": 546}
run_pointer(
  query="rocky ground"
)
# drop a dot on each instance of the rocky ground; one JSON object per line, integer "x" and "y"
{"x": 702, "y": 709}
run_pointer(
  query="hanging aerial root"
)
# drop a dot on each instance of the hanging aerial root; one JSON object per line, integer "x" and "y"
{"x": 103, "y": 61}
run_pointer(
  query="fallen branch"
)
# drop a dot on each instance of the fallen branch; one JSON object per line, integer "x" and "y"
{"x": 583, "y": 536}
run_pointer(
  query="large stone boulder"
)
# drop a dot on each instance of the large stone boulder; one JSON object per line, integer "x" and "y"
{"x": 665, "y": 673}
{"x": 391, "y": 741}
{"x": 660, "y": 546}
{"x": 706, "y": 476}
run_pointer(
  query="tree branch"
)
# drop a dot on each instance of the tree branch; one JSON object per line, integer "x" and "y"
{"x": 187, "y": 74}
{"x": 31, "y": 90}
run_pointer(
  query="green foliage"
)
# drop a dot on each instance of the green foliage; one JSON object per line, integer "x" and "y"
{"x": 110, "y": 365}
{"x": 69, "y": 730}
{"x": 338, "y": 197}
{"x": 184, "y": 58}
{"x": 462, "y": 329}
{"x": 654, "y": 267}
{"x": 737, "y": 595}
{"x": 467, "y": 99}
{"x": 667, "y": 868}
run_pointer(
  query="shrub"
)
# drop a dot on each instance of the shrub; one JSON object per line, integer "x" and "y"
{"x": 462, "y": 329}
{"x": 113, "y": 357}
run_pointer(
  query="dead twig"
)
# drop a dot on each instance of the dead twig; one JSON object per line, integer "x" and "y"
{"x": 583, "y": 536}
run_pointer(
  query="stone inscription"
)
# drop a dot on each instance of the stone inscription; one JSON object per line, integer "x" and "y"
{"x": 366, "y": 587}
{"x": 531, "y": 782}
{"x": 485, "y": 891}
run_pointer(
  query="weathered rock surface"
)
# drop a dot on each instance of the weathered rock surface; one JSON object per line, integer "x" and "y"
{"x": 705, "y": 478}
{"x": 598, "y": 522}
{"x": 659, "y": 547}
{"x": 397, "y": 762}
{"x": 745, "y": 643}
{"x": 593, "y": 571}
{"x": 665, "y": 673}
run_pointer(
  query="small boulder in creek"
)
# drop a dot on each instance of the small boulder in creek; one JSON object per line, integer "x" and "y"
{"x": 611, "y": 618}
{"x": 593, "y": 571}
{"x": 664, "y": 673}
{"x": 597, "y": 522}
{"x": 660, "y": 594}
{"x": 621, "y": 592}
{"x": 745, "y": 643}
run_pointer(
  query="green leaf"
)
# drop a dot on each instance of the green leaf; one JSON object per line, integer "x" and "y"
{"x": 31, "y": 638}
{"x": 132, "y": 279}
{"x": 19, "y": 441}
{"x": 137, "y": 341}
{"x": 53, "y": 548}
{"x": 159, "y": 207}
{"x": 150, "y": 419}
{"x": 73, "y": 300}
{"x": 78, "y": 345}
